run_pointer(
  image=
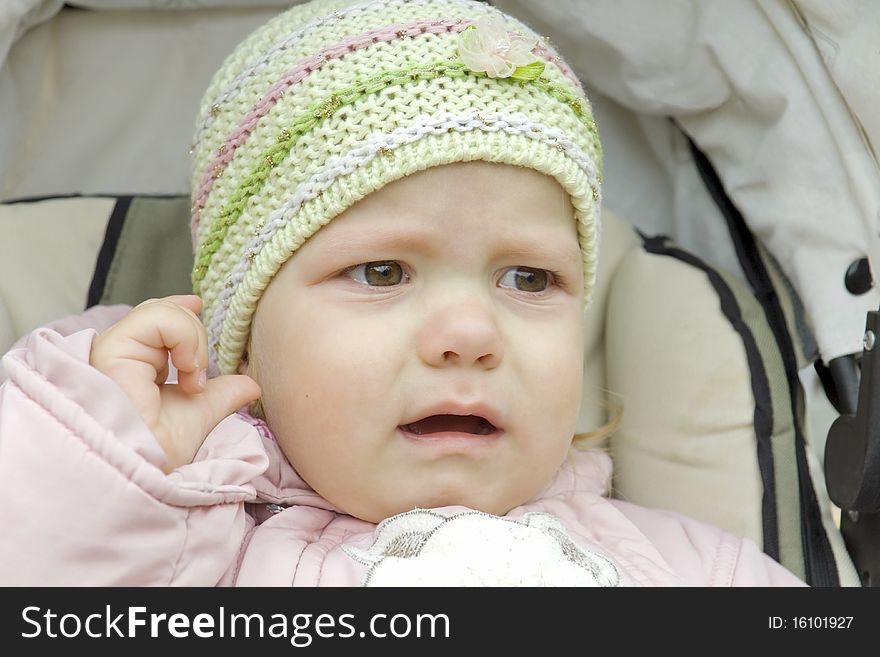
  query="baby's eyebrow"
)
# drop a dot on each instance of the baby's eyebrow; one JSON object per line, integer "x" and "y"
{"x": 551, "y": 249}
{"x": 354, "y": 241}
{"x": 545, "y": 250}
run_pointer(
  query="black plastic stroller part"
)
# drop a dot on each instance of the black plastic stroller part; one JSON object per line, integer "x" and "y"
{"x": 857, "y": 278}
{"x": 852, "y": 452}
{"x": 852, "y": 463}
{"x": 840, "y": 380}
{"x": 860, "y": 532}
{"x": 819, "y": 560}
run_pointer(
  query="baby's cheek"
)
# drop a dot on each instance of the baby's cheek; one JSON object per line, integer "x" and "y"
{"x": 562, "y": 349}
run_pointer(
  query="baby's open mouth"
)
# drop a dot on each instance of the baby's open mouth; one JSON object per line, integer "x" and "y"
{"x": 474, "y": 424}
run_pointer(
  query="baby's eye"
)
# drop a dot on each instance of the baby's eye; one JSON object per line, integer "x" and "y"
{"x": 379, "y": 274}
{"x": 526, "y": 279}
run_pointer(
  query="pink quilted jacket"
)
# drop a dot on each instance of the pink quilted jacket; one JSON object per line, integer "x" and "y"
{"x": 84, "y": 502}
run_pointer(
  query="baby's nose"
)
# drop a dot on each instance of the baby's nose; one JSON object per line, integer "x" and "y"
{"x": 462, "y": 335}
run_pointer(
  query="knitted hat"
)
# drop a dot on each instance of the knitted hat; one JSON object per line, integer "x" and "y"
{"x": 333, "y": 99}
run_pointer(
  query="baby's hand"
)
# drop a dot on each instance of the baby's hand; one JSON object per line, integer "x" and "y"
{"x": 134, "y": 353}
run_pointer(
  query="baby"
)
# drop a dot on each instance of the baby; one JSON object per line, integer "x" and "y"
{"x": 395, "y": 216}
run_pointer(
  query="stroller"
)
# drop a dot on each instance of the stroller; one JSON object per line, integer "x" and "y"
{"x": 741, "y": 200}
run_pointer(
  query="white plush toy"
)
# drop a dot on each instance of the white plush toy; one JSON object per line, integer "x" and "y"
{"x": 425, "y": 548}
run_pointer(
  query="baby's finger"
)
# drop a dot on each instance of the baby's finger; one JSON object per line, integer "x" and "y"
{"x": 190, "y": 355}
{"x": 191, "y": 302}
{"x": 156, "y": 328}
{"x": 194, "y": 380}
{"x": 191, "y": 359}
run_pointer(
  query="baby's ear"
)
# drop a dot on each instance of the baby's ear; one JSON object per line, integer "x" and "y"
{"x": 244, "y": 365}
{"x": 255, "y": 408}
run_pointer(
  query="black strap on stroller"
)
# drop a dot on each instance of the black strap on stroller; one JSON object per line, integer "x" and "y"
{"x": 852, "y": 453}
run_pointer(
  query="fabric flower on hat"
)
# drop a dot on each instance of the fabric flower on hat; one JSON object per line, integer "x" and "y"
{"x": 488, "y": 47}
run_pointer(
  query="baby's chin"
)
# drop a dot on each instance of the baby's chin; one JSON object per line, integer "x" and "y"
{"x": 497, "y": 505}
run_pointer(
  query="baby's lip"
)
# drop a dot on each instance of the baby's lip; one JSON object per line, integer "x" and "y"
{"x": 477, "y": 419}
{"x": 446, "y": 423}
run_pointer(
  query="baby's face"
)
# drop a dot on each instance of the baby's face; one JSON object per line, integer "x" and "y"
{"x": 425, "y": 348}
